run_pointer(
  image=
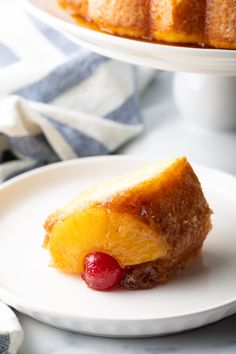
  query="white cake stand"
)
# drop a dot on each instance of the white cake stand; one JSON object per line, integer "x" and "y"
{"x": 204, "y": 86}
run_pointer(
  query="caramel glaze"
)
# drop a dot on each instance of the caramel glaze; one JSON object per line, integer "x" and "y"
{"x": 195, "y": 23}
{"x": 87, "y": 23}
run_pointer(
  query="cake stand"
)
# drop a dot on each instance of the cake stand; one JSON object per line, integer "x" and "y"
{"x": 204, "y": 85}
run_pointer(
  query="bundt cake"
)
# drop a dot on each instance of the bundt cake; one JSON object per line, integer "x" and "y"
{"x": 135, "y": 232}
{"x": 200, "y": 22}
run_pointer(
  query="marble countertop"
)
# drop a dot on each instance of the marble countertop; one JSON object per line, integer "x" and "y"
{"x": 165, "y": 135}
{"x": 218, "y": 338}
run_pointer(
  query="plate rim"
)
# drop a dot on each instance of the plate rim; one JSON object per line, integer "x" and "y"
{"x": 26, "y": 307}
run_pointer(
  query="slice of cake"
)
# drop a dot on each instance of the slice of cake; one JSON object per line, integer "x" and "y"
{"x": 135, "y": 231}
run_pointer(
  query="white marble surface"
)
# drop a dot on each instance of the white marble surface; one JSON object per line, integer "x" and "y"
{"x": 164, "y": 135}
{"x": 219, "y": 338}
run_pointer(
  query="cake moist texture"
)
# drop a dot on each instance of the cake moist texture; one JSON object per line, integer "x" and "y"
{"x": 152, "y": 221}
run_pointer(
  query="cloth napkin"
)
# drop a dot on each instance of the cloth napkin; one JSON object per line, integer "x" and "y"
{"x": 57, "y": 102}
{"x": 11, "y": 335}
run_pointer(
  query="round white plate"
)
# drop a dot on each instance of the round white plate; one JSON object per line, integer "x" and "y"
{"x": 159, "y": 56}
{"x": 204, "y": 293}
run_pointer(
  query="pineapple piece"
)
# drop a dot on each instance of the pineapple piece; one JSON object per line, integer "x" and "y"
{"x": 98, "y": 229}
{"x": 158, "y": 212}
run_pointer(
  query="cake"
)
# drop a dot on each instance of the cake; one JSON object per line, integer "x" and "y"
{"x": 200, "y": 22}
{"x": 135, "y": 231}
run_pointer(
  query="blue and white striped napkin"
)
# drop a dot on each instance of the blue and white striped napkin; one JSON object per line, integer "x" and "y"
{"x": 57, "y": 102}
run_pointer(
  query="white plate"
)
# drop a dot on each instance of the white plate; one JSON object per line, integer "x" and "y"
{"x": 204, "y": 293}
{"x": 159, "y": 56}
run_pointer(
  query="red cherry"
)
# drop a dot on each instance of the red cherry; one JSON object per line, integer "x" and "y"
{"x": 101, "y": 271}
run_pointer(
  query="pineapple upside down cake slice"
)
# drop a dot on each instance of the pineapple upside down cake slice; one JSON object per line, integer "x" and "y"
{"x": 134, "y": 232}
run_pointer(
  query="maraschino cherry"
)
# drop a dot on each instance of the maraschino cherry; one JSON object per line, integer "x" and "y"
{"x": 102, "y": 271}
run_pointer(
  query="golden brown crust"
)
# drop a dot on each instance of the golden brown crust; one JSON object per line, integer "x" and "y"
{"x": 201, "y": 22}
{"x": 183, "y": 20}
{"x": 150, "y": 274}
{"x": 178, "y": 211}
{"x": 125, "y": 17}
{"x": 221, "y": 23}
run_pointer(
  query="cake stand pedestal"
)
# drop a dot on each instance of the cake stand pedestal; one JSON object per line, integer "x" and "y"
{"x": 206, "y": 101}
